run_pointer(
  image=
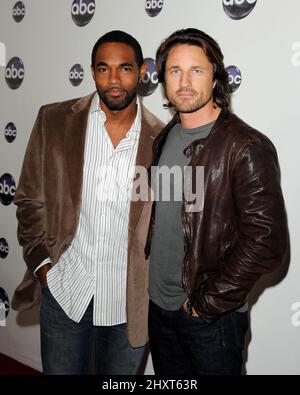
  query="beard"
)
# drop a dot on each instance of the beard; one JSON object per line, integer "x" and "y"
{"x": 117, "y": 103}
{"x": 188, "y": 105}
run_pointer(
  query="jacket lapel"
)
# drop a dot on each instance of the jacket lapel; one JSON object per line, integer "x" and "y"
{"x": 143, "y": 158}
{"x": 76, "y": 126}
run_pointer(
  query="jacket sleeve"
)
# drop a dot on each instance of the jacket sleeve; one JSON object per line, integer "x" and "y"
{"x": 261, "y": 230}
{"x": 30, "y": 199}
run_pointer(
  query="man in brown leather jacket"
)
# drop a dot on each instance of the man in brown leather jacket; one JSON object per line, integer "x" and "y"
{"x": 204, "y": 261}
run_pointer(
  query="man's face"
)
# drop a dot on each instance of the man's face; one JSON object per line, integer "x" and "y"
{"x": 189, "y": 78}
{"x": 116, "y": 75}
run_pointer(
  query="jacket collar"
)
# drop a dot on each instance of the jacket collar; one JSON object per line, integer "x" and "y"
{"x": 84, "y": 103}
{"x": 162, "y": 137}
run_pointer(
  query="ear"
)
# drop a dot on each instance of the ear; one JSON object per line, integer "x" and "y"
{"x": 215, "y": 83}
{"x": 143, "y": 70}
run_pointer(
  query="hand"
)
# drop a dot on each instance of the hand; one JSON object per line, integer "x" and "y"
{"x": 189, "y": 309}
{"x": 42, "y": 274}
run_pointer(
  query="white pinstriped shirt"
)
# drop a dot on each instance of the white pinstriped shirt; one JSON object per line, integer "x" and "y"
{"x": 95, "y": 264}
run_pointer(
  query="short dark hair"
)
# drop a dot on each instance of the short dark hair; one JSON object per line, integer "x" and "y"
{"x": 191, "y": 36}
{"x": 117, "y": 36}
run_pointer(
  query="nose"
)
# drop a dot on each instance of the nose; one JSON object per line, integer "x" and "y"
{"x": 185, "y": 80}
{"x": 114, "y": 76}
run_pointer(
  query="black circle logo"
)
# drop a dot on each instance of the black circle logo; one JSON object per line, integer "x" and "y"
{"x": 150, "y": 81}
{"x": 7, "y": 189}
{"x": 154, "y": 7}
{"x": 235, "y": 78}
{"x": 19, "y": 11}
{"x": 238, "y": 9}
{"x": 14, "y": 73}
{"x": 76, "y": 74}
{"x": 10, "y": 132}
{"x": 82, "y": 11}
{"x": 4, "y": 249}
{"x": 4, "y": 304}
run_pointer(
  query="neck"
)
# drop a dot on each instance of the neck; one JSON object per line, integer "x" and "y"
{"x": 124, "y": 116}
{"x": 200, "y": 117}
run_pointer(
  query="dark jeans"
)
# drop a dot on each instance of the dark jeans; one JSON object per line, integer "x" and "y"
{"x": 67, "y": 347}
{"x": 184, "y": 345}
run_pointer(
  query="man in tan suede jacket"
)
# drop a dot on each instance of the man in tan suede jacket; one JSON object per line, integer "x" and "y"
{"x": 83, "y": 243}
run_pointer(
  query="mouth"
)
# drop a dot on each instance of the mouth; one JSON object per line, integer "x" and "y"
{"x": 115, "y": 92}
{"x": 185, "y": 94}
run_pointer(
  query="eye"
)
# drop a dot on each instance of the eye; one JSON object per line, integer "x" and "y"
{"x": 174, "y": 72}
{"x": 196, "y": 71}
{"x": 126, "y": 68}
{"x": 102, "y": 69}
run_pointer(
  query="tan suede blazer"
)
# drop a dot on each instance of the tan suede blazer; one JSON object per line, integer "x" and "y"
{"x": 49, "y": 200}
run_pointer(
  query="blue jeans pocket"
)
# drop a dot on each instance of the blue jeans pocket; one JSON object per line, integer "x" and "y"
{"x": 234, "y": 326}
{"x": 44, "y": 287}
{"x": 191, "y": 317}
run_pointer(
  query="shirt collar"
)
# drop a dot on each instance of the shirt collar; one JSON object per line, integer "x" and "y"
{"x": 135, "y": 128}
{"x": 95, "y": 105}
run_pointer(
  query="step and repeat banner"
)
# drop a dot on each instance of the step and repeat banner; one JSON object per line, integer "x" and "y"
{"x": 45, "y": 48}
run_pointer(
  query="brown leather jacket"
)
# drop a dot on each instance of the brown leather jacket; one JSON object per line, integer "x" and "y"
{"x": 241, "y": 233}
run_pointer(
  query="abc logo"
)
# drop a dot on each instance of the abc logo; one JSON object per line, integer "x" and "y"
{"x": 10, "y": 132}
{"x": 7, "y": 189}
{"x": 76, "y": 75}
{"x": 150, "y": 81}
{"x": 153, "y": 7}
{"x": 82, "y": 11}
{"x": 4, "y": 249}
{"x": 238, "y": 9}
{"x": 18, "y": 12}
{"x": 4, "y": 304}
{"x": 14, "y": 73}
{"x": 235, "y": 78}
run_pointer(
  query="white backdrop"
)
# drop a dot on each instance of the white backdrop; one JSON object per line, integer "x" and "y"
{"x": 264, "y": 46}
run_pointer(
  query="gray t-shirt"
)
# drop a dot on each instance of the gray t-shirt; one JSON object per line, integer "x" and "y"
{"x": 167, "y": 247}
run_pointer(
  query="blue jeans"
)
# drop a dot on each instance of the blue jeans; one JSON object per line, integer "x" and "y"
{"x": 185, "y": 345}
{"x": 67, "y": 347}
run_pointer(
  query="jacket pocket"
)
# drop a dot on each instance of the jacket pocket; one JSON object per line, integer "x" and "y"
{"x": 229, "y": 241}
